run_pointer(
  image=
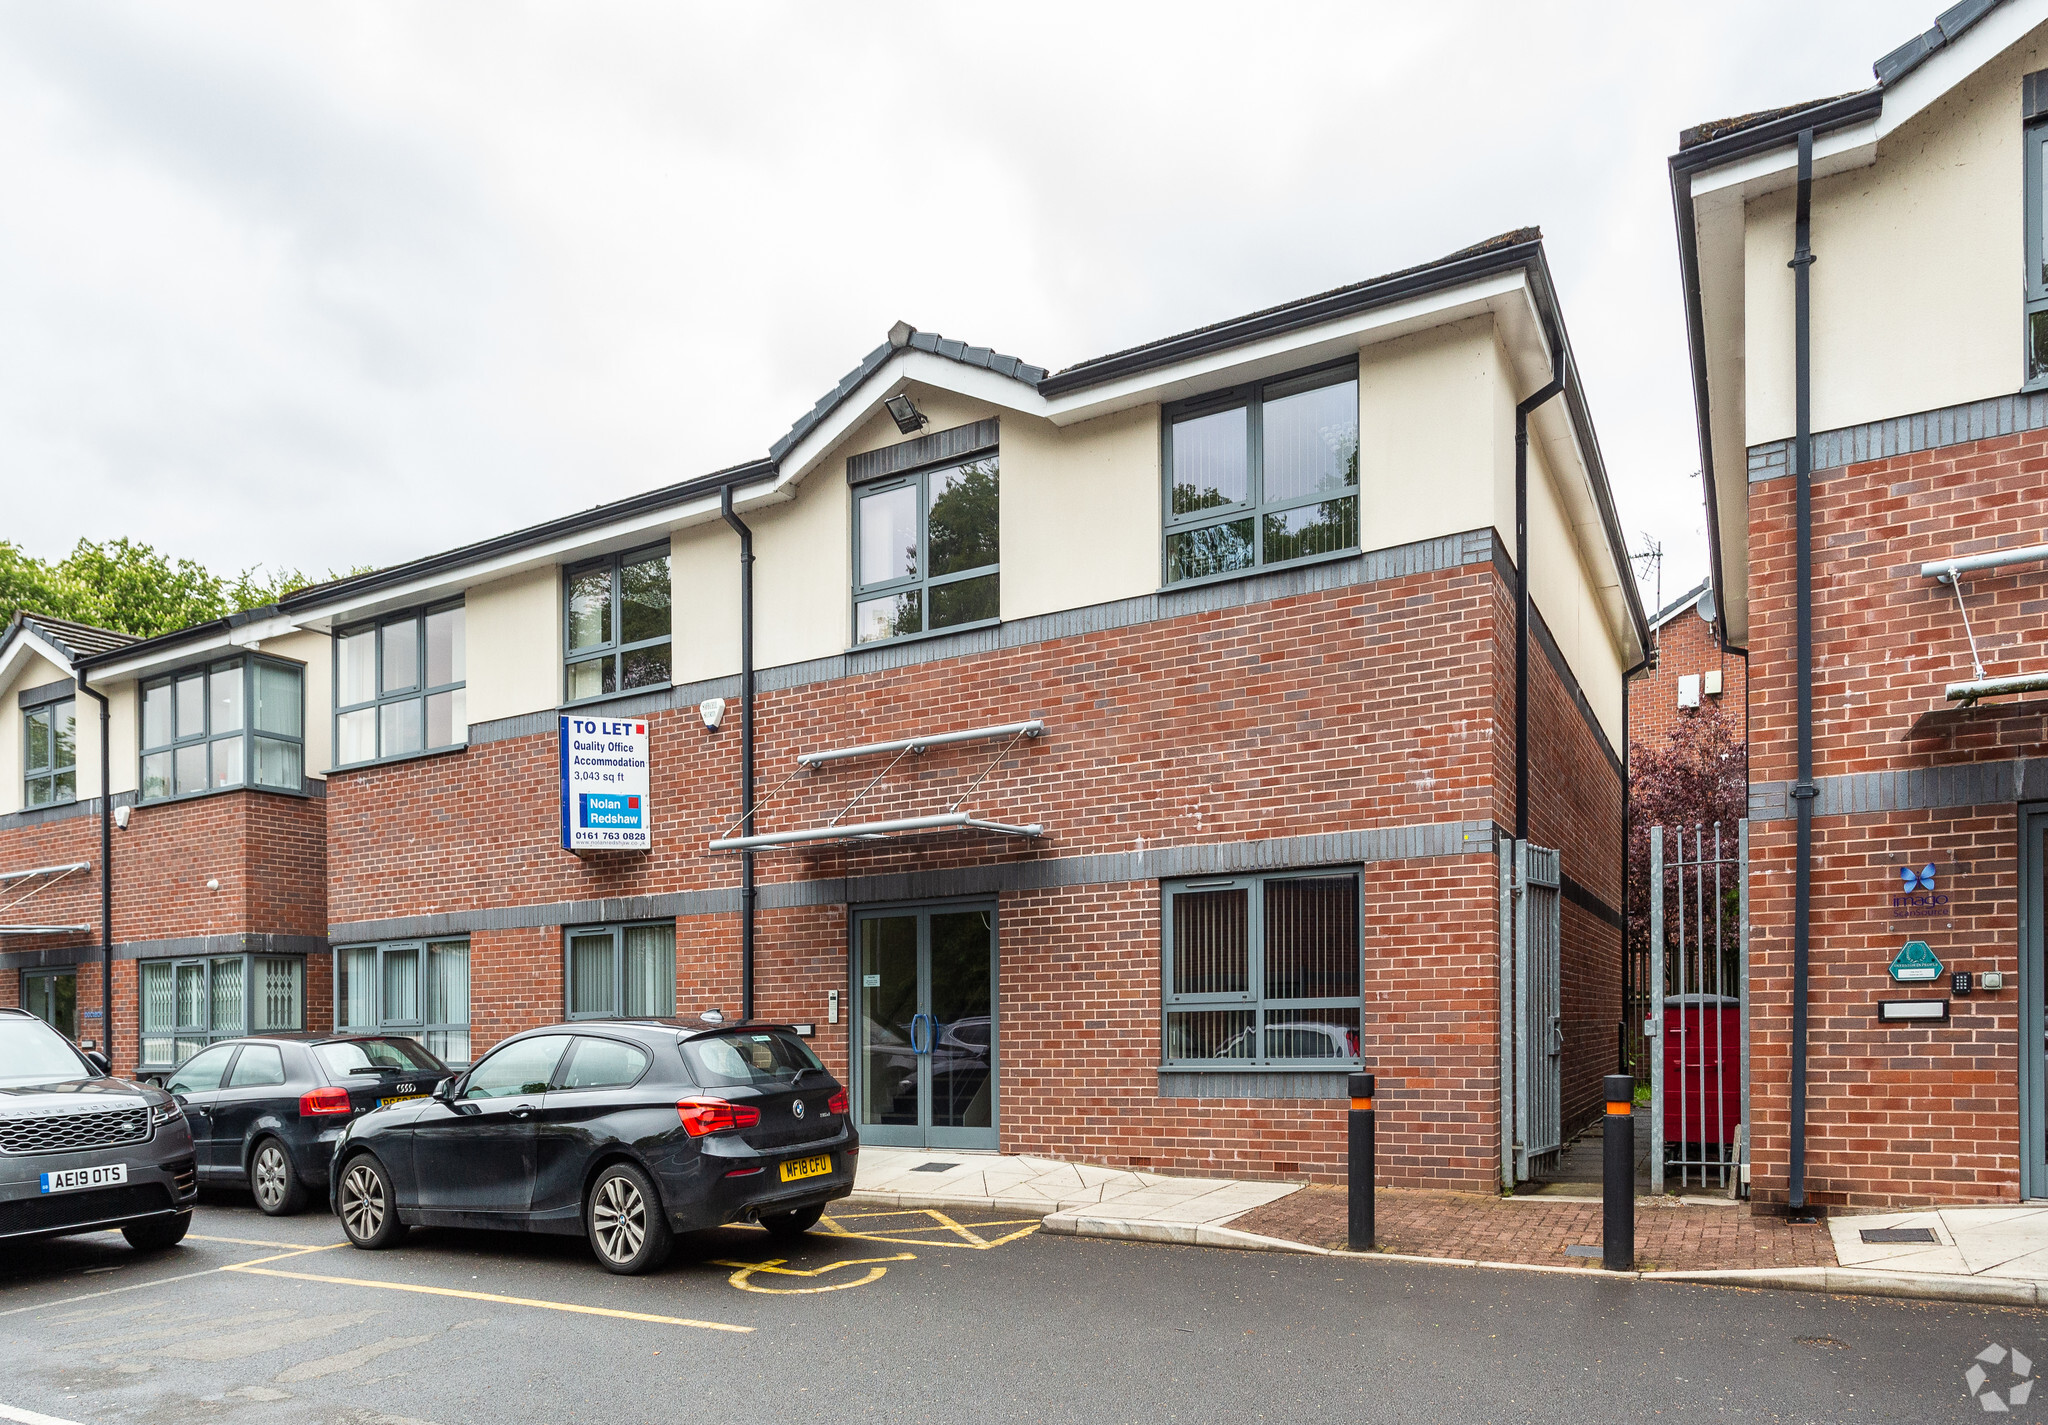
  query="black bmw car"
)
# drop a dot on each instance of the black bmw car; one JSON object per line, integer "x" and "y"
{"x": 626, "y": 1131}
{"x": 267, "y": 1112}
{"x": 82, "y": 1151}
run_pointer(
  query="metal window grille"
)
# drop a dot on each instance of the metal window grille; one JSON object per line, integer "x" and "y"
{"x": 1264, "y": 971}
{"x": 1698, "y": 1027}
{"x": 188, "y": 1004}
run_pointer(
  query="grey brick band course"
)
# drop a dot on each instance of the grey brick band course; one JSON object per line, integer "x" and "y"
{"x": 1906, "y": 435}
{"x": 1919, "y": 789}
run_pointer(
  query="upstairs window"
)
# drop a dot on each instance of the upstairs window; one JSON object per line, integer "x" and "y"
{"x": 231, "y": 724}
{"x": 927, "y": 551}
{"x": 1262, "y": 474}
{"x": 49, "y": 753}
{"x": 399, "y": 687}
{"x": 618, "y": 626}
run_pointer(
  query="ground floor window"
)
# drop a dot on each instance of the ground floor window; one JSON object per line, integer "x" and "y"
{"x": 188, "y": 1004}
{"x": 418, "y": 988}
{"x": 621, "y": 971}
{"x": 1263, "y": 970}
{"x": 52, "y": 996}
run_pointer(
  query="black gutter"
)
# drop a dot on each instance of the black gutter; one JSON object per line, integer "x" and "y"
{"x": 1523, "y": 409}
{"x": 106, "y": 868}
{"x": 1803, "y": 791}
{"x": 748, "y": 894}
{"x": 1820, "y": 119}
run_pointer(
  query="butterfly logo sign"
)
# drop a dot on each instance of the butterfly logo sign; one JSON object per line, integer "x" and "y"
{"x": 1912, "y": 880}
{"x": 1917, "y": 896}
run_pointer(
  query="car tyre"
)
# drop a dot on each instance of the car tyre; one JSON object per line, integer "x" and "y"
{"x": 274, "y": 1180}
{"x": 368, "y": 1207}
{"x": 784, "y": 1225}
{"x": 159, "y": 1233}
{"x": 623, "y": 1216}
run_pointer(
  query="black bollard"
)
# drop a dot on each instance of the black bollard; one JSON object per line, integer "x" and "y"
{"x": 1618, "y": 1182}
{"x": 1361, "y": 1165}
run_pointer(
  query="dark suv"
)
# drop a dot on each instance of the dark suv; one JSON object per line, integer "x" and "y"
{"x": 624, "y": 1131}
{"x": 82, "y": 1151}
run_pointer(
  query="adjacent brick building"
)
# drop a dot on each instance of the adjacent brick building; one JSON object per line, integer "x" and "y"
{"x": 1688, "y": 669}
{"x": 1253, "y": 837}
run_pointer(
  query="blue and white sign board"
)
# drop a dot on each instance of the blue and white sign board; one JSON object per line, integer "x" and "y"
{"x": 604, "y": 784}
{"x": 1915, "y": 964}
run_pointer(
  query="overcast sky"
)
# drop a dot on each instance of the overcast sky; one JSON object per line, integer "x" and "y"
{"x": 318, "y": 286}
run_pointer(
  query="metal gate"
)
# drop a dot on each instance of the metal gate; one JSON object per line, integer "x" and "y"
{"x": 1697, "y": 1033}
{"x": 1538, "y": 1020}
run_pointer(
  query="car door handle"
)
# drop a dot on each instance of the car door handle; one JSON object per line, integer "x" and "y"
{"x": 524, "y": 1110}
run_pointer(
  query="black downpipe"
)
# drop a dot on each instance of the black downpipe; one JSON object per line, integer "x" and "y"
{"x": 1522, "y": 412}
{"x": 1803, "y": 791}
{"x": 106, "y": 871}
{"x": 1630, "y": 990}
{"x": 747, "y": 893}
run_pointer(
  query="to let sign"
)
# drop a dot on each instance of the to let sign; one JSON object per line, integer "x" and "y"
{"x": 604, "y": 784}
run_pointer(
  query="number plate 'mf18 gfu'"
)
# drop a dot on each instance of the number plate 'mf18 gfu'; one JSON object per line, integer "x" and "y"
{"x": 604, "y": 784}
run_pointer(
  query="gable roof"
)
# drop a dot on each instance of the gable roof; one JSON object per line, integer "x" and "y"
{"x": 75, "y": 640}
{"x": 1679, "y": 605}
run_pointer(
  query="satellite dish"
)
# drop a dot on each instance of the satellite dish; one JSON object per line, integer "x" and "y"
{"x": 1706, "y": 605}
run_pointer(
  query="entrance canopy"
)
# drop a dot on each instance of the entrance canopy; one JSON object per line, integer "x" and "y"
{"x": 953, "y": 818}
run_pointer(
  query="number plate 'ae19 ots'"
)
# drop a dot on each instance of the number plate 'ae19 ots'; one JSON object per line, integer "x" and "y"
{"x": 604, "y": 784}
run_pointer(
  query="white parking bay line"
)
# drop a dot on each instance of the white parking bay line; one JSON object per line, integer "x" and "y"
{"x": 162, "y": 1281}
{"x": 571, "y": 1306}
{"x": 29, "y": 1417}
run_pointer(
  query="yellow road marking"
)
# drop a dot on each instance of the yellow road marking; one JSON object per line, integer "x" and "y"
{"x": 253, "y": 1242}
{"x": 298, "y": 1252}
{"x": 961, "y": 1236}
{"x": 492, "y": 1297}
{"x": 779, "y": 1266}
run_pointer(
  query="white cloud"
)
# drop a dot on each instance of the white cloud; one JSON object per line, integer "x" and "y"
{"x": 319, "y": 286}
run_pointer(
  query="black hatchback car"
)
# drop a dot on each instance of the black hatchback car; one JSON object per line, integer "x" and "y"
{"x": 82, "y": 1151}
{"x": 626, "y": 1131}
{"x": 266, "y": 1113}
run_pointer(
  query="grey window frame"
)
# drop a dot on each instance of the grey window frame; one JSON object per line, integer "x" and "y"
{"x": 419, "y": 692}
{"x": 924, "y": 581}
{"x": 1254, "y": 998}
{"x": 419, "y": 1027}
{"x": 50, "y": 975}
{"x": 1252, "y": 396}
{"x": 208, "y": 1032}
{"x": 245, "y": 664}
{"x": 617, "y": 930}
{"x": 615, "y": 650}
{"x": 51, "y": 773}
{"x": 2034, "y": 187}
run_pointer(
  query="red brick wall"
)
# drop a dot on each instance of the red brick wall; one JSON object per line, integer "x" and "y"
{"x": 1685, "y": 645}
{"x": 1896, "y": 1115}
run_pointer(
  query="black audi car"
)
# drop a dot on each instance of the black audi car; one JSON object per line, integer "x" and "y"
{"x": 267, "y": 1112}
{"x": 82, "y": 1151}
{"x": 627, "y": 1131}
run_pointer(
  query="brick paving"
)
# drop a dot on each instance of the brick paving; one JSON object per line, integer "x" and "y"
{"x": 1538, "y": 1229}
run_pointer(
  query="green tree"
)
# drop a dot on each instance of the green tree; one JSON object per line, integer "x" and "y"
{"x": 133, "y": 588}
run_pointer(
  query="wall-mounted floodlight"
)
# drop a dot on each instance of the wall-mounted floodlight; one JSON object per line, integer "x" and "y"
{"x": 908, "y": 417}
{"x": 121, "y": 815}
{"x": 712, "y": 710}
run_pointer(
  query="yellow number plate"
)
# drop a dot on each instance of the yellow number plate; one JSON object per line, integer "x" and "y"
{"x": 797, "y": 1168}
{"x": 402, "y": 1098}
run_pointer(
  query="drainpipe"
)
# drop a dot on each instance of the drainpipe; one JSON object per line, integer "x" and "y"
{"x": 747, "y": 892}
{"x": 1522, "y": 412}
{"x": 1803, "y": 791}
{"x": 106, "y": 868}
{"x": 1628, "y": 986}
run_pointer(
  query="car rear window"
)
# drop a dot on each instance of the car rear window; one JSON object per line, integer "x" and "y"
{"x": 748, "y": 1056}
{"x": 33, "y": 1053}
{"x": 400, "y": 1054}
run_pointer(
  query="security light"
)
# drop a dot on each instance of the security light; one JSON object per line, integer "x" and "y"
{"x": 121, "y": 815}
{"x": 908, "y": 417}
{"x": 712, "y": 710}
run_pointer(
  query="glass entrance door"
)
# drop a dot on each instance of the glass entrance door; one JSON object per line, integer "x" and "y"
{"x": 52, "y": 996}
{"x": 925, "y": 982}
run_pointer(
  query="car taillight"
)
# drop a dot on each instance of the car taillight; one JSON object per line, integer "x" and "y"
{"x": 836, "y": 1103}
{"x": 325, "y": 1101}
{"x": 714, "y": 1115}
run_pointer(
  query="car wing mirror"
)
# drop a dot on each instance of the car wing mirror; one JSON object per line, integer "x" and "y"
{"x": 445, "y": 1090}
{"x": 98, "y": 1060}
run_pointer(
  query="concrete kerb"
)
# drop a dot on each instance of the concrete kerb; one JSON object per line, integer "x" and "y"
{"x": 1840, "y": 1281}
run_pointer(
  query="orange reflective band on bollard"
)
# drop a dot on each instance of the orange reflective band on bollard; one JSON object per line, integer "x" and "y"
{"x": 1621, "y": 1108}
{"x": 1361, "y": 1105}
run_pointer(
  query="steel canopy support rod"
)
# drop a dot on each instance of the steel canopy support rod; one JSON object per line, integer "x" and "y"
{"x": 1031, "y": 728}
{"x": 106, "y": 874}
{"x": 1523, "y": 410}
{"x": 748, "y": 895}
{"x": 1803, "y": 790}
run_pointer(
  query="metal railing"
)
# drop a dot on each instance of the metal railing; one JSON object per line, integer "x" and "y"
{"x": 1697, "y": 1034}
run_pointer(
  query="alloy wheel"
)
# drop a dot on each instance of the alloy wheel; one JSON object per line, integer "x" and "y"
{"x": 362, "y": 1202}
{"x": 270, "y": 1175}
{"x": 619, "y": 1218}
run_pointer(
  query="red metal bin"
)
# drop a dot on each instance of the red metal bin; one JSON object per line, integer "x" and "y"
{"x": 1702, "y": 1068}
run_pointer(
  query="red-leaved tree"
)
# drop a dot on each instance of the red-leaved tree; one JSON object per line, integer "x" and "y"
{"x": 1697, "y": 776}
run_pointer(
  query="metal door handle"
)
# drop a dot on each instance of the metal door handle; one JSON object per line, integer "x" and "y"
{"x": 920, "y": 1021}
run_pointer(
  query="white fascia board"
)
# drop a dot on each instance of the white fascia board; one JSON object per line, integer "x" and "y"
{"x": 976, "y": 383}
{"x": 1836, "y": 151}
{"x": 1285, "y": 351}
{"x": 249, "y": 635}
{"x": 25, "y": 643}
